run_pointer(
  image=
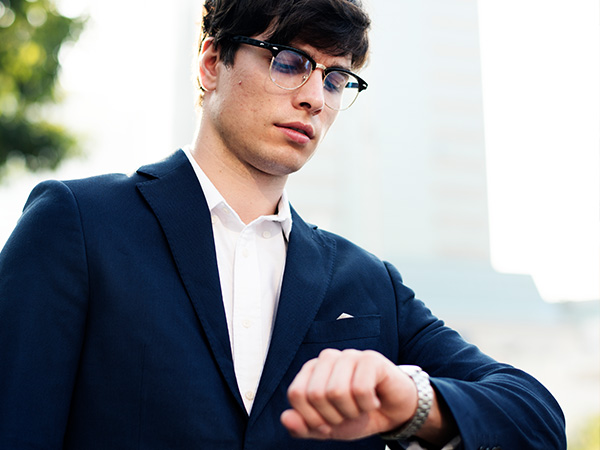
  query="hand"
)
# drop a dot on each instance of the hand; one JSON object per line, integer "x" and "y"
{"x": 347, "y": 395}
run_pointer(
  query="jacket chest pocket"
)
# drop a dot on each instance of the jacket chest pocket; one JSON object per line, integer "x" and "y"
{"x": 355, "y": 328}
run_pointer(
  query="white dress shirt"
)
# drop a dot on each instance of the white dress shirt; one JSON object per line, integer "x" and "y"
{"x": 250, "y": 259}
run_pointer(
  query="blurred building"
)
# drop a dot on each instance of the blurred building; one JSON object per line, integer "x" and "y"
{"x": 403, "y": 171}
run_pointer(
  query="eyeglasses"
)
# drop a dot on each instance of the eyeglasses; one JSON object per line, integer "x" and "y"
{"x": 291, "y": 68}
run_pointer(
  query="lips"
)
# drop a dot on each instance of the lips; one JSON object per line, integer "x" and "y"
{"x": 299, "y": 127}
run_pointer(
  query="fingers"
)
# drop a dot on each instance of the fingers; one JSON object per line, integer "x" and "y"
{"x": 337, "y": 388}
{"x": 341, "y": 390}
{"x": 364, "y": 385}
{"x": 298, "y": 427}
{"x": 295, "y": 424}
{"x": 331, "y": 387}
{"x": 298, "y": 395}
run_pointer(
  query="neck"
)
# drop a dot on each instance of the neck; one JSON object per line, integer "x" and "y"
{"x": 249, "y": 192}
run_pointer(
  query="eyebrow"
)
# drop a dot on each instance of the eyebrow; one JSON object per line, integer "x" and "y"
{"x": 268, "y": 44}
{"x": 315, "y": 59}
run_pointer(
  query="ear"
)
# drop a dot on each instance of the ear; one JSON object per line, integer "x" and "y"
{"x": 209, "y": 57}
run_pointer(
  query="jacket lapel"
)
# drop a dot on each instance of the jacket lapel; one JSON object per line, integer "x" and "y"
{"x": 178, "y": 202}
{"x": 308, "y": 272}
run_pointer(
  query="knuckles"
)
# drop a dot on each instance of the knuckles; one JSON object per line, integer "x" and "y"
{"x": 337, "y": 394}
{"x": 295, "y": 394}
{"x": 332, "y": 393}
{"x": 329, "y": 353}
{"x": 360, "y": 391}
{"x": 316, "y": 396}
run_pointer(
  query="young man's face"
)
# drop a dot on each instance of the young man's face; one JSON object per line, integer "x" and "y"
{"x": 260, "y": 126}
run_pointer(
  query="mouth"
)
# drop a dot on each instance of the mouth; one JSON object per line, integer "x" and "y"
{"x": 299, "y": 128}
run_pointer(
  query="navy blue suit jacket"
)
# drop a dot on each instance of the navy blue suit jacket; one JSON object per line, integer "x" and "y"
{"x": 113, "y": 333}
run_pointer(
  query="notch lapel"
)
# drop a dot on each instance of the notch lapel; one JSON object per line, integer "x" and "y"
{"x": 307, "y": 275}
{"x": 177, "y": 200}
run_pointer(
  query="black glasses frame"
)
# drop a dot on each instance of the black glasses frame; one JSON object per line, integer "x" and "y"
{"x": 277, "y": 48}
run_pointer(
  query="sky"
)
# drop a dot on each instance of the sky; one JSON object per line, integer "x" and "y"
{"x": 540, "y": 69}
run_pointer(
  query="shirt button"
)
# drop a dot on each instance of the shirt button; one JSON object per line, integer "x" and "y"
{"x": 245, "y": 252}
{"x": 213, "y": 219}
{"x": 246, "y": 323}
{"x": 266, "y": 234}
{"x": 249, "y": 395}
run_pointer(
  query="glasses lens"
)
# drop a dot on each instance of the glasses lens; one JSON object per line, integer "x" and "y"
{"x": 289, "y": 70}
{"x": 341, "y": 89}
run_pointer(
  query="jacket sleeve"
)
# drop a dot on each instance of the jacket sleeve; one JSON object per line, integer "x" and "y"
{"x": 495, "y": 405}
{"x": 43, "y": 297}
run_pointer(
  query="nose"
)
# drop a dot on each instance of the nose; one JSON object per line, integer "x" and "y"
{"x": 310, "y": 95}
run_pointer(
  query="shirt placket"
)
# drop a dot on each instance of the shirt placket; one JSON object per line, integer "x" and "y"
{"x": 247, "y": 337}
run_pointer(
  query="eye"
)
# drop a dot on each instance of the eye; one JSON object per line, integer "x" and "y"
{"x": 291, "y": 63}
{"x": 335, "y": 82}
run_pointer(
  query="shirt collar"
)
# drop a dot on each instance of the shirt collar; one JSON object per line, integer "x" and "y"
{"x": 215, "y": 199}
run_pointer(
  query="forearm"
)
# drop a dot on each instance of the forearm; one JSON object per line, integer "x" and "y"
{"x": 493, "y": 404}
{"x": 508, "y": 409}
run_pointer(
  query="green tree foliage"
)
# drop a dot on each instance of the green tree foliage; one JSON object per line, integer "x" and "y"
{"x": 31, "y": 35}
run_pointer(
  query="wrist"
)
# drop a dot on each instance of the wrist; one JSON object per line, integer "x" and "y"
{"x": 424, "y": 403}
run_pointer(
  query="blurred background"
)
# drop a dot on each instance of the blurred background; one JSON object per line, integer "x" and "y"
{"x": 471, "y": 162}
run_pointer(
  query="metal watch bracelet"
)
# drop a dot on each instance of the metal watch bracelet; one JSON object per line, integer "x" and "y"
{"x": 425, "y": 400}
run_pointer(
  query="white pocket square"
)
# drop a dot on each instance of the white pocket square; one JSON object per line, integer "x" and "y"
{"x": 345, "y": 316}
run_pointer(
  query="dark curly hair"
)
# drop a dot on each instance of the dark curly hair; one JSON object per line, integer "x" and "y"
{"x": 336, "y": 27}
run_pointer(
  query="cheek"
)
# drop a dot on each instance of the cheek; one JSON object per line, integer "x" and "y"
{"x": 247, "y": 95}
{"x": 329, "y": 116}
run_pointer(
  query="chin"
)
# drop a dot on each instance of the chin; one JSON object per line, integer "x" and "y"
{"x": 283, "y": 169}
{"x": 286, "y": 165}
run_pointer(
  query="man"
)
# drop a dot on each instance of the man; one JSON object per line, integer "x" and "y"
{"x": 188, "y": 306}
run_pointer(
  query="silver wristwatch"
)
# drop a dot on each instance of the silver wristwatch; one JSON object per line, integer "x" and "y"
{"x": 425, "y": 400}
